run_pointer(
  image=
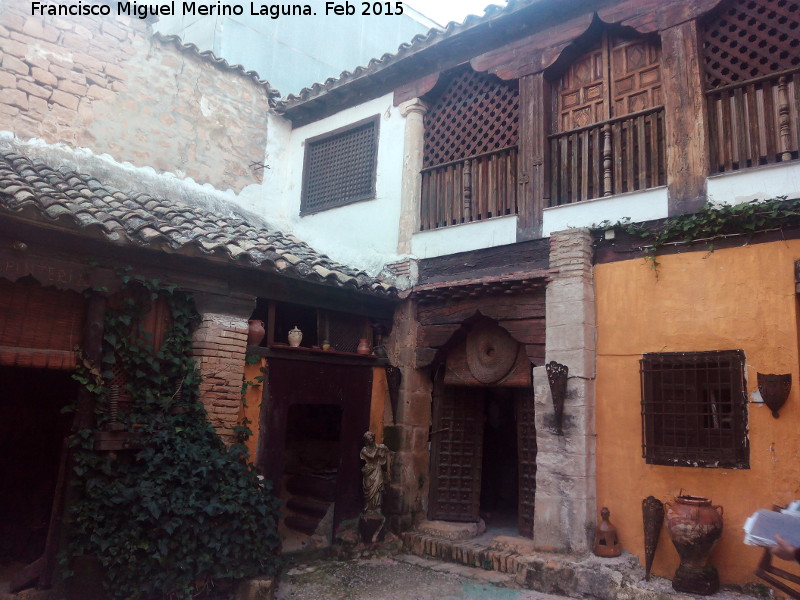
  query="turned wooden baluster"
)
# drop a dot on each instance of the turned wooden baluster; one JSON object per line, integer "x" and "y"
{"x": 467, "y": 191}
{"x": 783, "y": 119}
{"x": 607, "y": 183}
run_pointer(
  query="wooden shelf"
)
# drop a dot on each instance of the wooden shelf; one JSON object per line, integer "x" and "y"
{"x": 317, "y": 355}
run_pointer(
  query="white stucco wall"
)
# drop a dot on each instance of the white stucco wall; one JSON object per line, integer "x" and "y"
{"x": 760, "y": 183}
{"x": 637, "y": 206}
{"x": 465, "y": 237}
{"x": 363, "y": 235}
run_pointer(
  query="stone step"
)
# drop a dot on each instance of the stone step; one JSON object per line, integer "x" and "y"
{"x": 466, "y": 552}
{"x": 308, "y": 506}
{"x": 320, "y": 488}
{"x": 574, "y": 575}
{"x": 301, "y": 524}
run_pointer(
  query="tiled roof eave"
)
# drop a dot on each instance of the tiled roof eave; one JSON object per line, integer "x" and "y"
{"x": 64, "y": 199}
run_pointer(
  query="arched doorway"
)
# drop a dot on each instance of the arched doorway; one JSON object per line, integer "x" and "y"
{"x": 483, "y": 436}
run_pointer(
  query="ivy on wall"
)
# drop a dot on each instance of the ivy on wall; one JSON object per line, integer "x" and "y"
{"x": 713, "y": 223}
{"x": 182, "y": 516}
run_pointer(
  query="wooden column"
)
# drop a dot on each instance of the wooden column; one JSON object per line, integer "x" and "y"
{"x": 532, "y": 196}
{"x": 686, "y": 124}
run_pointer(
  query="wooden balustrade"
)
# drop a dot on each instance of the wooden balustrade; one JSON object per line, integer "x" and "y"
{"x": 472, "y": 189}
{"x": 755, "y": 122}
{"x": 620, "y": 155}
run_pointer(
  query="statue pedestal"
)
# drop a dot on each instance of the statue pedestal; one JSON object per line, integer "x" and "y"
{"x": 372, "y": 527}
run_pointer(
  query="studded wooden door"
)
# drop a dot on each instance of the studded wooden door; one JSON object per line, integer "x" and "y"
{"x": 456, "y": 453}
{"x": 526, "y": 457}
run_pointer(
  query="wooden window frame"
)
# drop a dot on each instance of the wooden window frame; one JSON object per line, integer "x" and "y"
{"x": 340, "y": 133}
{"x": 694, "y": 409}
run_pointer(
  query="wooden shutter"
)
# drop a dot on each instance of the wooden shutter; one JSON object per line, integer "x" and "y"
{"x": 581, "y": 93}
{"x": 526, "y": 457}
{"x": 617, "y": 77}
{"x": 39, "y": 327}
{"x": 456, "y": 453}
{"x": 635, "y": 76}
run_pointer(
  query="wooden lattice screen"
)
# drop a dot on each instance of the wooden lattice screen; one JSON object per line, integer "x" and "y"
{"x": 475, "y": 114}
{"x": 340, "y": 167}
{"x": 750, "y": 39}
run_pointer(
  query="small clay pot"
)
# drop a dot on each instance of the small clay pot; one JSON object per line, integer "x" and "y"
{"x": 255, "y": 332}
{"x": 363, "y": 347}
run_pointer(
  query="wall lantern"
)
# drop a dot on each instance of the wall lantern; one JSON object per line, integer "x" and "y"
{"x": 557, "y": 377}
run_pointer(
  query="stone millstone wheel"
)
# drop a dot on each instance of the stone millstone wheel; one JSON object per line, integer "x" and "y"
{"x": 491, "y": 352}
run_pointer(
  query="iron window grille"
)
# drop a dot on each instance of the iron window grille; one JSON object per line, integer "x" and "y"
{"x": 694, "y": 409}
{"x": 340, "y": 167}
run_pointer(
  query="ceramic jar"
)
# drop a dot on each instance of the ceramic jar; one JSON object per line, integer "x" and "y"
{"x": 694, "y": 526}
{"x": 295, "y": 337}
{"x": 363, "y": 347}
{"x": 255, "y": 332}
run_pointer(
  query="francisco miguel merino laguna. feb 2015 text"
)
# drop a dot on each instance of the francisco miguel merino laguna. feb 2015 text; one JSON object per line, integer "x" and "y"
{"x": 273, "y": 11}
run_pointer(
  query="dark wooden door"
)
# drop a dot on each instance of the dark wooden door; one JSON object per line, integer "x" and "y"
{"x": 291, "y": 382}
{"x": 456, "y": 453}
{"x": 526, "y": 457}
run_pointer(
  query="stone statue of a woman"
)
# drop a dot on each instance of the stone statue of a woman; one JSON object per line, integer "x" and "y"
{"x": 375, "y": 457}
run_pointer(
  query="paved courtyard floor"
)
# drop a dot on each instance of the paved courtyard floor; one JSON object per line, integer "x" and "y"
{"x": 402, "y": 577}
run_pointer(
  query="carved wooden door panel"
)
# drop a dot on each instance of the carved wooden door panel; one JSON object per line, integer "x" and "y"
{"x": 587, "y": 94}
{"x": 581, "y": 94}
{"x": 456, "y": 453}
{"x": 526, "y": 457}
{"x": 635, "y": 76}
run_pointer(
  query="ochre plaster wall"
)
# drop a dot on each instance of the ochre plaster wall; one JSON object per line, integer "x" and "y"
{"x": 103, "y": 83}
{"x": 742, "y": 298}
{"x": 251, "y": 408}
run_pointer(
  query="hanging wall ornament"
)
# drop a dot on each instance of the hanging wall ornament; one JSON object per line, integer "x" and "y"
{"x": 557, "y": 377}
{"x": 653, "y": 517}
{"x": 774, "y": 389}
{"x": 394, "y": 378}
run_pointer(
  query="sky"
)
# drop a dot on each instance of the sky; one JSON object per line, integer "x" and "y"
{"x": 443, "y": 11}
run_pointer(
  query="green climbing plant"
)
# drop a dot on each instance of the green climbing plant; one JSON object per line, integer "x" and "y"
{"x": 182, "y": 516}
{"x": 711, "y": 224}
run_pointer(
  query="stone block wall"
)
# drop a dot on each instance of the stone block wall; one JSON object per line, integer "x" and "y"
{"x": 407, "y": 495}
{"x": 105, "y": 84}
{"x": 219, "y": 346}
{"x": 565, "y": 478}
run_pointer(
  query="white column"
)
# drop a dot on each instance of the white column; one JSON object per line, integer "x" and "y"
{"x": 411, "y": 187}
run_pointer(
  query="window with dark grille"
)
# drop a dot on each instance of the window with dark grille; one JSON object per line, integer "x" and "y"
{"x": 340, "y": 167}
{"x": 694, "y": 409}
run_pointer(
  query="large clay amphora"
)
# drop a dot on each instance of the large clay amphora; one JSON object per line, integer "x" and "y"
{"x": 694, "y": 526}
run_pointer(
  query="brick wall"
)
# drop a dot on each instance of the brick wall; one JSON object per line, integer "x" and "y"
{"x": 219, "y": 347}
{"x": 105, "y": 84}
